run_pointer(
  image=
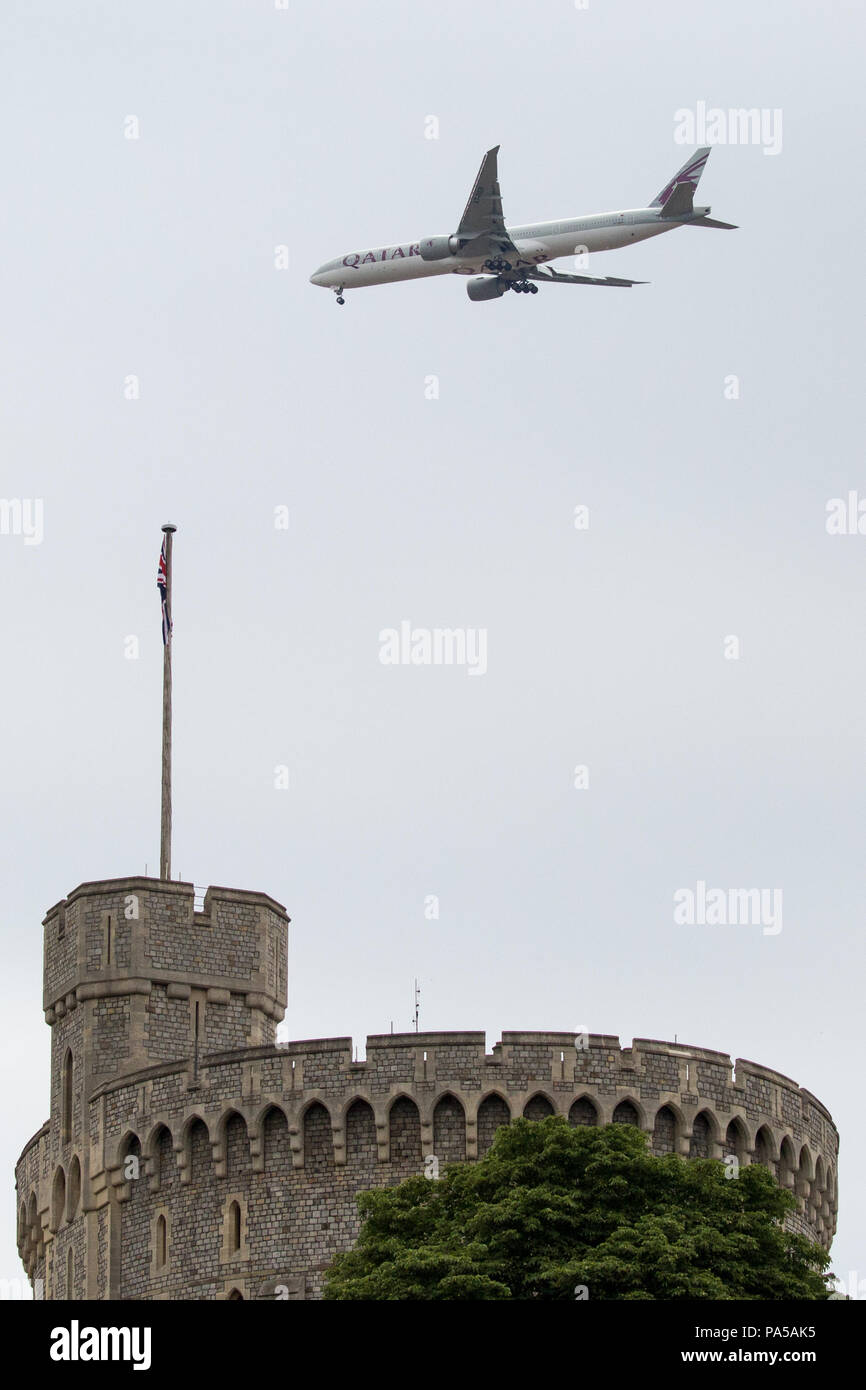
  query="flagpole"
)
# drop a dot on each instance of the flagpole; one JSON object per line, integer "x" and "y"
{"x": 165, "y": 819}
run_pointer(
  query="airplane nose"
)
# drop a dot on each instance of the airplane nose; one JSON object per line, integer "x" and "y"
{"x": 317, "y": 278}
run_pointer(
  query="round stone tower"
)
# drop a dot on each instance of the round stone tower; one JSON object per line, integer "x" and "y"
{"x": 188, "y": 1155}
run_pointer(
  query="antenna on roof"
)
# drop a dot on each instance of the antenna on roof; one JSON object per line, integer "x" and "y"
{"x": 417, "y": 1004}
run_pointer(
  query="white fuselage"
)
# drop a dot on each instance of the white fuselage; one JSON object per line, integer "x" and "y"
{"x": 537, "y": 243}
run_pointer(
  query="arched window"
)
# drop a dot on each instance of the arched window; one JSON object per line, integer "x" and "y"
{"x": 361, "y": 1146}
{"x": 817, "y": 1193}
{"x": 73, "y": 1189}
{"x": 34, "y": 1225}
{"x": 492, "y": 1113}
{"x": 787, "y": 1163}
{"x": 237, "y": 1144}
{"x": 735, "y": 1140}
{"x": 702, "y": 1131}
{"x": 236, "y": 1296}
{"x": 537, "y": 1108}
{"x": 234, "y": 1228}
{"x": 449, "y": 1130}
{"x": 275, "y": 1142}
{"x": 198, "y": 1141}
{"x": 161, "y": 1242}
{"x": 66, "y": 1099}
{"x": 404, "y": 1128}
{"x": 131, "y": 1167}
{"x": 626, "y": 1114}
{"x": 665, "y": 1131}
{"x": 165, "y": 1167}
{"x": 318, "y": 1141}
{"x": 583, "y": 1112}
{"x": 58, "y": 1200}
{"x": 764, "y": 1148}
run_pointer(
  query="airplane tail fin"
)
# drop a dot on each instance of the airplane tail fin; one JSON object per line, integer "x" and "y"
{"x": 677, "y": 196}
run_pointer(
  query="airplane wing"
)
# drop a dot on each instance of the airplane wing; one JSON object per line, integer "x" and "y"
{"x": 558, "y": 277}
{"x": 482, "y": 226}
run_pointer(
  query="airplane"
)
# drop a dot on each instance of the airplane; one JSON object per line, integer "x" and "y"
{"x": 500, "y": 258}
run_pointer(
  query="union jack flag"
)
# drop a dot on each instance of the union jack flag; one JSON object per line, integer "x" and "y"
{"x": 162, "y": 585}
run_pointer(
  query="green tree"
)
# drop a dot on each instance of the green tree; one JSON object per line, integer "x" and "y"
{"x": 553, "y": 1210}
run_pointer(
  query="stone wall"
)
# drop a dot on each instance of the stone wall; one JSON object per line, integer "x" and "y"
{"x": 188, "y": 1156}
{"x": 255, "y": 1165}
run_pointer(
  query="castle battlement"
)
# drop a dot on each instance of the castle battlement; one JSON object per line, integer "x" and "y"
{"x": 190, "y": 1155}
{"x": 125, "y": 936}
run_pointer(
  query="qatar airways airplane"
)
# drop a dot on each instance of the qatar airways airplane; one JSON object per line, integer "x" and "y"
{"x": 500, "y": 258}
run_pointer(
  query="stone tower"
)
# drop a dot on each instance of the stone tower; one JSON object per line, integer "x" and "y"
{"x": 135, "y": 977}
{"x": 189, "y": 1156}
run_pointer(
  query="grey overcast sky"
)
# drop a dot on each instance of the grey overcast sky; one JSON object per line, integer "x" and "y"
{"x": 306, "y": 127}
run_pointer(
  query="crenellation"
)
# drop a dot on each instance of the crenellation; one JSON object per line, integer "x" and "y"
{"x": 190, "y": 1155}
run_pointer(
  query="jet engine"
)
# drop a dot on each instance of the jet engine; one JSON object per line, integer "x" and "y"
{"x": 437, "y": 248}
{"x": 485, "y": 287}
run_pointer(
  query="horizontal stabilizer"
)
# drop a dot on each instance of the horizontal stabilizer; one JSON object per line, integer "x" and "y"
{"x": 712, "y": 222}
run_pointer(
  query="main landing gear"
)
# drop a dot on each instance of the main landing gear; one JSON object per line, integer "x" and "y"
{"x": 523, "y": 287}
{"x": 339, "y": 293}
{"x": 497, "y": 265}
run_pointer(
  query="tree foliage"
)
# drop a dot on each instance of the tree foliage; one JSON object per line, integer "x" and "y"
{"x": 557, "y": 1212}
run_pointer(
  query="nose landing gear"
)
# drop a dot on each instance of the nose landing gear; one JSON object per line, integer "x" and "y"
{"x": 339, "y": 293}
